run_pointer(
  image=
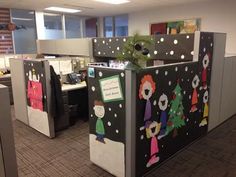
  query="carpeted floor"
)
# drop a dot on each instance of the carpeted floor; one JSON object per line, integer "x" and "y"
{"x": 68, "y": 154}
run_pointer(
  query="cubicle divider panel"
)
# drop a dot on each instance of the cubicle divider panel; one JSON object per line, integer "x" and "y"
{"x": 106, "y": 88}
{"x": 171, "y": 112}
{"x": 36, "y": 93}
{"x": 163, "y": 47}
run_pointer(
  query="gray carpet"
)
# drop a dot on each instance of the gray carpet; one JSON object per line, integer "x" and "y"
{"x": 68, "y": 154}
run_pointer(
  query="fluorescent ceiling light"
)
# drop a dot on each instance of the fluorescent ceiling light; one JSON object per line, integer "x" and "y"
{"x": 23, "y": 19}
{"x": 113, "y": 1}
{"x": 61, "y": 9}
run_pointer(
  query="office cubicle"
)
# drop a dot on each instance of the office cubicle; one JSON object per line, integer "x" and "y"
{"x": 167, "y": 107}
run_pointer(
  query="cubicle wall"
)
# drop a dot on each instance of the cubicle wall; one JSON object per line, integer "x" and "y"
{"x": 107, "y": 119}
{"x": 32, "y": 93}
{"x": 167, "y": 106}
{"x": 165, "y": 47}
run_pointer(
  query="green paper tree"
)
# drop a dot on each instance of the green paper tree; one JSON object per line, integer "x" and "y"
{"x": 130, "y": 52}
{"x": 176, "y": 113}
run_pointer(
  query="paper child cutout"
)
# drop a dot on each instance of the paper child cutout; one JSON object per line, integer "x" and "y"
{"x": 205, "y": 63}
{"x": 195, "y": 84}
{"x": 146, "y": 89}
{"x": 152, "y": 130}
{"x": 99, "y": 111}
{"x": 163, "y": 103}
{"x": 35, "y": 91}
{"x": 205, "y": 110}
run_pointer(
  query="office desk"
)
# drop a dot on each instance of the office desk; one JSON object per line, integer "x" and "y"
{"x": 70, "y": 87}
{"x": 75, "y": 99}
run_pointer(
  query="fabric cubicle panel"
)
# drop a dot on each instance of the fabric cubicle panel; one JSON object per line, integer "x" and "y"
{"x": 37, "y": 97}
{"x": 164, "y": 47}
{"x": 107, "y": 119}
{"x": 172, "y": 107}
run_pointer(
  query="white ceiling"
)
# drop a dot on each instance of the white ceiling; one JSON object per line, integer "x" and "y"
{"x": 93, "y": 8}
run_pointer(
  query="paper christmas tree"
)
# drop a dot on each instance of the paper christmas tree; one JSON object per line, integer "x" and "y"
{"x": 176, "y": 113}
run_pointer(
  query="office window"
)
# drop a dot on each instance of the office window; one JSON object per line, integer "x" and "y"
{"x": 73, "y": 26}
{"x": 53, "y": 26}
{"x": 116, "y": 26}
{"x": 121, "y": 25}
{"x": 108, "y": 26}
{"x": 24, "y": 38}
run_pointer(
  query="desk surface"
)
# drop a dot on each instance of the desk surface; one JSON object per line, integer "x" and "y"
{"x": 69, "y": 87}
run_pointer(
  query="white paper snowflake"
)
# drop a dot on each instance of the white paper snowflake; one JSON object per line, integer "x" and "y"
{"x": 93, "y": 88}
{"x": 175, "y": 41}
{"x": 186, "y": 68}
{"x": 154, "y": 102}
{"x": 172, "y": 52}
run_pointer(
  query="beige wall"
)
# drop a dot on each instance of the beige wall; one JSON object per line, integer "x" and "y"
{"x": 216, "y": 17}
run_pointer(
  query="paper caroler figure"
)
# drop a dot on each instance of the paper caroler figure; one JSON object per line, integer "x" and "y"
{"x": 205, "y": 110}
{"x": 35, "y": 91}
{"x": 146, "y": 90}
{"x": 205, "y": 63}
{"x": 99, "y": 111}
{"x": 152, "y": 130}
{"x": 163, "y": 103}
{"x": 195, "y": 84}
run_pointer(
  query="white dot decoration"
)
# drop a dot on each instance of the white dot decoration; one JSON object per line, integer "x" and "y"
{"x": 190, "y": 97}
{"x": 110, "y": 40}
{"x": 103, "y": 42}
{"x": 186, "y": 68}
{"x": 166, "y": 53}
{"x": 162, "y": 39}
{"x": 142, "y": 137}
{"x": 118, "y": 48}
{"x": 117, "y": 39}
{"x": 93, "y": 88}
{"x": 122, "y": 74}
{"x": 26, "y": 74}
{"x": 187, "y": 36}
{"x": 157, "y": 71}
{"x": 117, "y": 131}
{"x": 112, "y": 51}
{"x": 100, "y": 74}
{"x": 195, "y": 122}
{"x": 155, "y": 52}
{"x": 45, "y": 97}
{"x": 91, "y": 115}
{"x": 41, "y": 75}
{"x": 149, "y": 55}
{"x": 172, "y": 52}
{"x": 158, "y": 42}
{"x": 95, "y": 40}
{"x": 123, "y": 53}
{"x": 166, "y": 73}
{"x": 211, "y": 44}
{"x": 192, "y": 53}
{"x": 124, "y": 39}
{"x": 115, "y": 115}
{"x": 109, "y": 109}
{"x": 109, "y": 124}
{"x": 187, "y": 120}
{"x": 182, "y": 57}
{"x": 187, "y": 133}
{"x": 32, "y": 64}
{"x": 162, "y": 146}
{"x": 176, "y": 69}
{"x": 169, "y": 83}
{"x": 175, "y": 41}
{"x": 154, "y": 103}
{"x": 99, "y": 53}
{"x": 109, "y": 47}
{"x": 120, "y": 105}
{"x": 204, "y": 49}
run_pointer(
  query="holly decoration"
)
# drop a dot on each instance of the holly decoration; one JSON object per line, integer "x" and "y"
{"x": 176, "y": 113}
{"x": 135, "y": 50}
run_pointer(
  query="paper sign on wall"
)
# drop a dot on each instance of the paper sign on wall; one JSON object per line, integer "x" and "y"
{"x": 111, "y": 89}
